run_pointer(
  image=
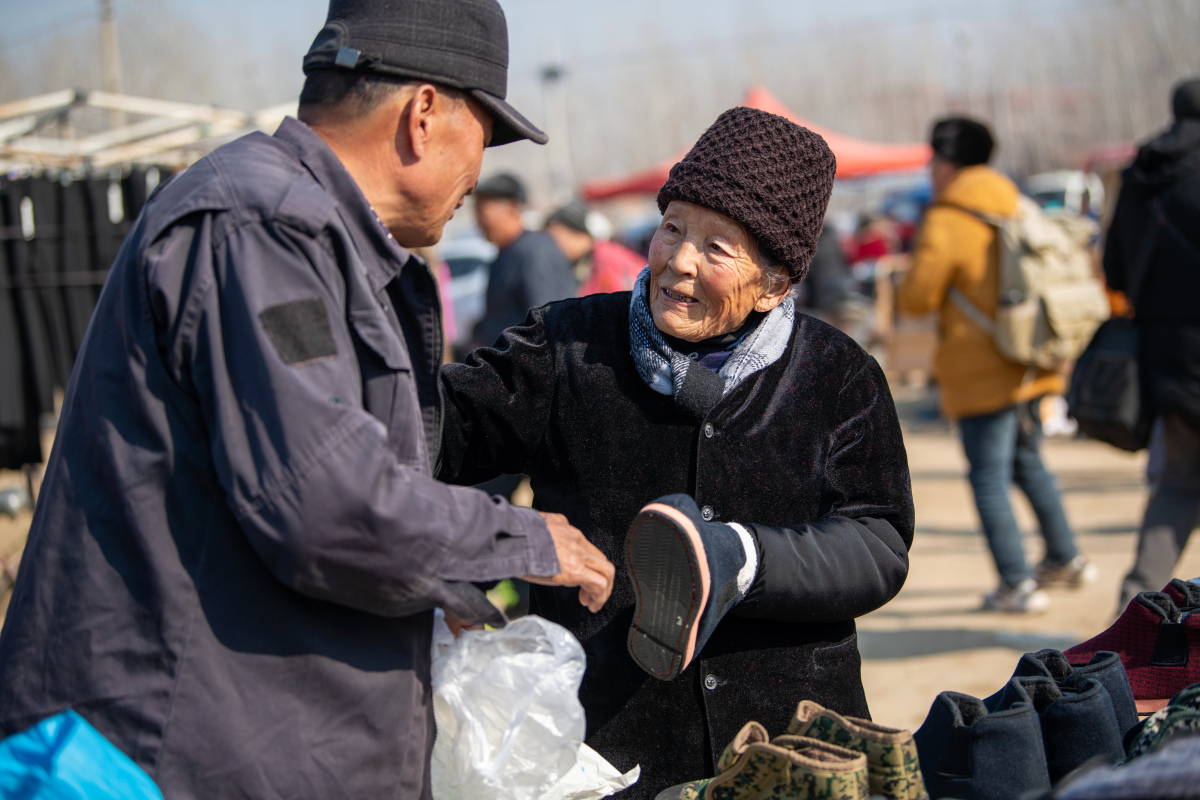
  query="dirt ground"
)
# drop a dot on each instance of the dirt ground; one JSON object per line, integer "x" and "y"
{"x": 932, "y": 637}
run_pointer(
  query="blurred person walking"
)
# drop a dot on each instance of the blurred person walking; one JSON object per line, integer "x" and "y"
{"x": 529, "y": 271}
{"x": 1152, "y": 253}
{"x": 601, "y": 265}
{"x": 994, "y": 400}
{"x": 233, "y": 568}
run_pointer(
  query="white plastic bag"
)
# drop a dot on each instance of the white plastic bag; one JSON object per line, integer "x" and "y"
{"x": 509, "y": 722}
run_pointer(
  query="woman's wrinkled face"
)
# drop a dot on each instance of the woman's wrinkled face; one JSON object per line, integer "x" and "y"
{"x": 704, "y": 276}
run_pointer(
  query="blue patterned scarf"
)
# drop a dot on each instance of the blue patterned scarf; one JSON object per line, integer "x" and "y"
{"x": 663, "y": 369}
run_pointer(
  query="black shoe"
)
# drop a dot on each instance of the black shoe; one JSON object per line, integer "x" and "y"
{"x": 971, "y": 754}
{"x": 1078, "y": 725}
{"x": 685, "y": 579}
{"x": 1105, "y": 667}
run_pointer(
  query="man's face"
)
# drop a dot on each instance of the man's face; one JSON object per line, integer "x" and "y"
{"x": 495, "y": 216}
{"x": 454, "y": 159}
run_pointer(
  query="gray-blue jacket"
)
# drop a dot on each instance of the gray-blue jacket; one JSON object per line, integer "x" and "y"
{"x": 238, "y": 539}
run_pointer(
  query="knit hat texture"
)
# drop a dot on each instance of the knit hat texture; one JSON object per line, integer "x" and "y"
{"x": 767, "y": 173}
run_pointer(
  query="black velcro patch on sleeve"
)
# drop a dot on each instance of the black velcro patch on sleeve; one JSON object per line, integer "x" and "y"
{"x": 300, "y": 331}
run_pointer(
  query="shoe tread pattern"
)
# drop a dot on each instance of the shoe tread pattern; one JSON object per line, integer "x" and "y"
{"x": 664, "y": 569}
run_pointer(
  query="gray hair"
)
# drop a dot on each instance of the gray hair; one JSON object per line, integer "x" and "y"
{"x": 776, "y": 274}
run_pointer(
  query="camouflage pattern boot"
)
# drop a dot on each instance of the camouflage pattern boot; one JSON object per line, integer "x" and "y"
{"x": 893, "y": 768}
{"x": 788, "y": 768}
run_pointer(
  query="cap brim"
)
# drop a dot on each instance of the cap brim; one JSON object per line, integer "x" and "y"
{"x": 508, "y": 124}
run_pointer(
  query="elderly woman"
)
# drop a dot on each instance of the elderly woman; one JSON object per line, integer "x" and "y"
{"x": 744, "y": 462}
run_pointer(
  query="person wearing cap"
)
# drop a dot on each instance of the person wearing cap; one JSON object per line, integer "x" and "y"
{"x": 1152, "y": 252}
{"x": 239, "y": 542}
{"x": 742, "y": 463}
{"x": 530, "y": 270}
{"x": 602, "y": 265}
{"x": 994, "y": 400}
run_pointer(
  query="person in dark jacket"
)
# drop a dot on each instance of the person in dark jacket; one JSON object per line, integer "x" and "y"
{"x": 772, "y": 434}
{"x": 232, "y": 569}
{"x": 1152, "y": 253}
{"x": 530, "y": 270}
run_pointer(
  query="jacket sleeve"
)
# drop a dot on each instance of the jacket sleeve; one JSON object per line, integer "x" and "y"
{"x": 854, "y": 558}
{"x": 547, "y": 276}
{"x": 927, "y": 281}
{"x": 262, "y": 342}
{"x": 497, "y": 405}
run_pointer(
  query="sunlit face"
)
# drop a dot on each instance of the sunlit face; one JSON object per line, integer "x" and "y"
{"x": 456, "y": 158}
{"x": 704, "y": 276}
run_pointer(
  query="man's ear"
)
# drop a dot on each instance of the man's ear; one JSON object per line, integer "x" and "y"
{"x": 419, "y": 118}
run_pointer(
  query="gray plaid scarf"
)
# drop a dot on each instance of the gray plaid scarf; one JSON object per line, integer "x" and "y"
{"x": 663, "y": 369}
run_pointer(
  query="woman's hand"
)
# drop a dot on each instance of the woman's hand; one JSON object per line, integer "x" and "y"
{"x": 580, "y": 564}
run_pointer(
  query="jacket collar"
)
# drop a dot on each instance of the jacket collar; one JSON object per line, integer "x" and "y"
{"x": 368, "y": 230}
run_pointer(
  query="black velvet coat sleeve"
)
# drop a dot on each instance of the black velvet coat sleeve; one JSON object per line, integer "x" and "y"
{"x": 854, "y": 558}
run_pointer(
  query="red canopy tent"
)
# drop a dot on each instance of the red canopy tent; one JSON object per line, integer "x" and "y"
{"x": 855, "y": 157}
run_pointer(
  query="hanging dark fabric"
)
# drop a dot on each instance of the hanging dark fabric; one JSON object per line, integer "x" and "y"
{"x": 31, "y": 318}
{"x": 76, "y": 259}
{"x": 46, "y": 265}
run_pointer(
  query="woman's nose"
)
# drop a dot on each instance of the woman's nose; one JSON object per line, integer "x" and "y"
{"x": 685, "y": 259}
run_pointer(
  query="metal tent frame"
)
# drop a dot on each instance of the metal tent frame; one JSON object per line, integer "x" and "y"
{"x": 92, "y": 131}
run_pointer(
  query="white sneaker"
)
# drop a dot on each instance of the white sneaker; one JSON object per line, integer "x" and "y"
{"x": 1024, "y": 598}
{"x": 1075, "y": 573}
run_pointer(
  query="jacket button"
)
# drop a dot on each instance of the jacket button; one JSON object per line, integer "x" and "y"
{"x": 710, "y": 682}
{"x": 708, "y": 430}
{"x": 707, "y": 513}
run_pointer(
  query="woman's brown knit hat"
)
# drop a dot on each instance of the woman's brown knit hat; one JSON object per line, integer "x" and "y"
{"x": 768, "y": 173}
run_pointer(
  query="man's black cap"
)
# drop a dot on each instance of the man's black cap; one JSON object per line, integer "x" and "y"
{"x": 462, "y": 44}
{"x": 503, "y": 186}
{"x": 963, "y": 141}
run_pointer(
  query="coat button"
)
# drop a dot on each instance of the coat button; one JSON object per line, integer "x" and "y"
{"x": 708, "y": 430}
{"x": 707, "y": 513}
{"x": 710, "y": 682}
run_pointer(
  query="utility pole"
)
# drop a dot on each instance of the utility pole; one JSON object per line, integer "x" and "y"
{"x": 110, "y": 58}
{"x": 554, "y": 101}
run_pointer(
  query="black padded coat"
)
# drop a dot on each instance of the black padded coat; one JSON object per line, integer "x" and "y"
{"x": 808, "y": 451}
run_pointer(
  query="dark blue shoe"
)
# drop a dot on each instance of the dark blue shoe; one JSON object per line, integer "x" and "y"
{"x": 1078, "y": 724}
{"x": 1105, "y": 667}
{"x": 685, "y": 579}
{"x": 967, "y": 752}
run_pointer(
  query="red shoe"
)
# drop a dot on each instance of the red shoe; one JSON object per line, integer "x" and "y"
{"x": 1158, "y": 643}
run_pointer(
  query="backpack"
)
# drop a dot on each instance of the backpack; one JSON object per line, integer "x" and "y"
{"x": 1050, "y": 300}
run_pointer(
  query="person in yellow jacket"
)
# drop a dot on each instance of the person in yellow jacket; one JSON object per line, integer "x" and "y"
{"x": 993, "y": 399}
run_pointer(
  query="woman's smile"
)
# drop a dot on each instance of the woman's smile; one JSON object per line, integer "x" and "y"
{"x": 679, "y": 297}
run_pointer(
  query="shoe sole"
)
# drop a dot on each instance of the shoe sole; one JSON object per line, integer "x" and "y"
{"x": 671, "y": 583}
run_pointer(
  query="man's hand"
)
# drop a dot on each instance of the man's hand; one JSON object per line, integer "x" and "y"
{"x": 580, "y": 564}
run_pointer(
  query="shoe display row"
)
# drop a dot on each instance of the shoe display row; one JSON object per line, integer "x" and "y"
{"x": 823, "y": 756}
{"x": 1064, "y": 715}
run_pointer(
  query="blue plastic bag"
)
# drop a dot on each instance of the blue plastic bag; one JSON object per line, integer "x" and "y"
{"x": 64, "y": 758}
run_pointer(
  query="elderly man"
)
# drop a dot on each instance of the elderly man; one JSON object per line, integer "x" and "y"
{"x": 239, "y": 544}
